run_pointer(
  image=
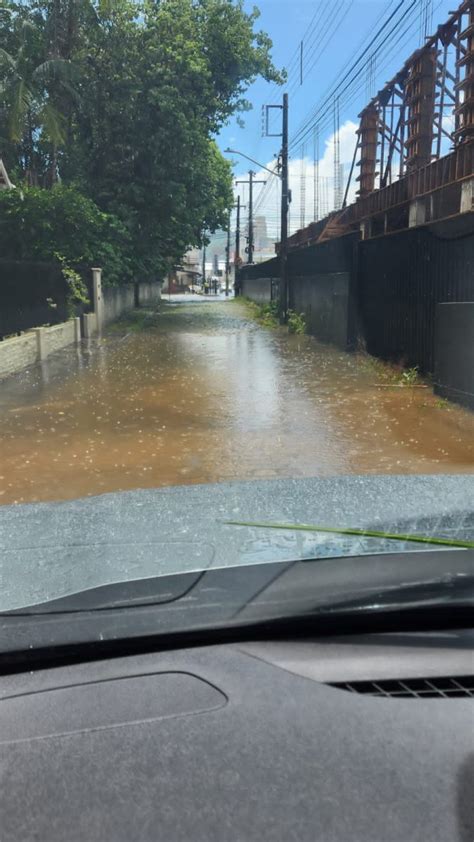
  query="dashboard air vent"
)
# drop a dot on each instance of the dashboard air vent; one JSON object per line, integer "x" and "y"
{"x": 414, "y": 688}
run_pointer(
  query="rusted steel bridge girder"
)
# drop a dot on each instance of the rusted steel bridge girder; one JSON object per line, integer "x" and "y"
{"x": 415, "y": 140}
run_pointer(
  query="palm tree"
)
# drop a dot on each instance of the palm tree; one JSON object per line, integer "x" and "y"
{"x": 29, "y": 86}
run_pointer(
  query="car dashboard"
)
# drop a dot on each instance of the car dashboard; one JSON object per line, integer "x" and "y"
{"x": 367, "y": 737}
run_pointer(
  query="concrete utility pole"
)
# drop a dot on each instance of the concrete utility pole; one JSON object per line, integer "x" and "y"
{"x": 250, "y": 181}
{"x": 237, "y": 234}
{"x": 203, "y": 263}
{"x": 227, "y": 259}
{"x": 238, "y": 207}
{"x": 285, "y": 203}
{"x": 250, "y": 241}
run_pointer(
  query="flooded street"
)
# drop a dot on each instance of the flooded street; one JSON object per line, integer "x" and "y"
{"x": 200, "y": 393}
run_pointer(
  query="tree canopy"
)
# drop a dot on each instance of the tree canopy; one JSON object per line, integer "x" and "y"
{"x": 122, "y": 100}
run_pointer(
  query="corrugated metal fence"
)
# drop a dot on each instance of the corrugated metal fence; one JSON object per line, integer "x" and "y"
{"x": 396, "y": 281}
{"x": 401, "y": 279}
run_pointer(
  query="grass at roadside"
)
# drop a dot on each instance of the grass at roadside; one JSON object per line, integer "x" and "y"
{"x": 136, "y": 320}
{"x": 267, "y": 315}
{"x": 264, "y": 314}
{"x": 391, "y": 374}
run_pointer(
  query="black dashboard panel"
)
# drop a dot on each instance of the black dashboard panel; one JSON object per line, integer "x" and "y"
{"x": 240, "y": 742}
{"x": 61, "y": 711}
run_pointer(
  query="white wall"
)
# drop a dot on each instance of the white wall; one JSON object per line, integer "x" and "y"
{"x": 19, "y": 352}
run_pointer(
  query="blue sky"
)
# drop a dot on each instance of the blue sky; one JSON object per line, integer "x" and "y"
{"x": 339, "y": 29}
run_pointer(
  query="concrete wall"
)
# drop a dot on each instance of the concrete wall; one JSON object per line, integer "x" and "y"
{"x": 321, "y": 282}
{"x": 117, "y": 300}
{"x": 114, "y": 301}
{"x": 89, "y": 325}
{"x": 54, "y": 338}
{"x": 109, "y": 303}
{"x": 148, "y": 293}
{"x": 258, "y": 290}
{"x": 323, "y": 298}
{"x": 19, "y": 352}
{"x": 454, "y": 352}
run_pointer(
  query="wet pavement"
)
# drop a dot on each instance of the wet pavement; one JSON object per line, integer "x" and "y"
{"x": 200, "y": 393}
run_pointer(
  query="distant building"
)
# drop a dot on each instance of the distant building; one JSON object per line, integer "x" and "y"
{"x": 184, "y": 276}
{"x": 261, "y": 239}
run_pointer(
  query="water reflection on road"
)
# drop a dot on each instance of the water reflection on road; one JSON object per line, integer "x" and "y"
{"x": 201, "y": 393}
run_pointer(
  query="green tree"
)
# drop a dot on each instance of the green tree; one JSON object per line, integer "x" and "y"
{"x": 151, "y": 83}
{"x": 28, "y": 78}
{"x": 38, "y": 224}
{"x": 160, "y": 87}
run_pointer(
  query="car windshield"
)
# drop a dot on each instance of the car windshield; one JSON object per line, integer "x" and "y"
{"x": 236, "y": 299}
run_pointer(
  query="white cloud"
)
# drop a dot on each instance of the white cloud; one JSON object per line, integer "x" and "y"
{"x": 268, "y": 204}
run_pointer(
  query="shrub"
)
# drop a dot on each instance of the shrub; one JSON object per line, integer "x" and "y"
{"x": 38, "y": 224}
{"x": 296, "y": 322}
{"x": 268, "y": 314}
{"x": 78, "y": 293}
{"x": 410, "y": 376}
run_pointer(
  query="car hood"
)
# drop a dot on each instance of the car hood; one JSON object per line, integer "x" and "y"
{"x": 50, "y": 550}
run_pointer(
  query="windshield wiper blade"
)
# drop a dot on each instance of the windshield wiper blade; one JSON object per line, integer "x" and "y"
{"x": 362, "y": 533}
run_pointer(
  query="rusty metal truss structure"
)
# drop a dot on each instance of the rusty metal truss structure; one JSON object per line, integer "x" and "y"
{"x": 424, "y": 112}
{"x": 415, "y": 139}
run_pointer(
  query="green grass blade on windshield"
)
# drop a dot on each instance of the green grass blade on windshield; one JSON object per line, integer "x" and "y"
{"x": 363, "y": 533}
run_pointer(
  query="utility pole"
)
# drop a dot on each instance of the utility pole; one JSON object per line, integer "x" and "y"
{"x": 238, "y": 206}
{"x": 250, "y": 244}
{"x": 203, "y": 264}
{"x": 237, "y": 234}
{"x": 250, "y": 181}
{"x": 285, "y": 202}
{"x": 227, "y": 259}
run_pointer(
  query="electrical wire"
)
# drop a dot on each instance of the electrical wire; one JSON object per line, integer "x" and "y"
{"x": 351, "y": 92}
{"x": 319, "y": 119}
{"x": 356, "y": 59}
{"x": 325, "y": 124}
{"x": 310, "y": 121}
{"x": 294, "y": 61}
{"x": 337, "y": 15}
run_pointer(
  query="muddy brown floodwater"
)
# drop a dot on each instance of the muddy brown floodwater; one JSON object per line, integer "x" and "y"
{"x": 201, "y": 393}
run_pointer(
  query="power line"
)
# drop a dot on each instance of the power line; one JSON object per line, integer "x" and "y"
{"x": 333, "y": 20}
{"x": 315, "y": 175}
{"x": 308, "y": 124}
{"x": 293, "y": 63}
{"x": 320, "y": 36}
{"x": 265, "y": 188}
{"x": 347, "y": 87}
{"x": 351, "y": 92}
{"x": 357, "y": 61}
{"x": 322, "y": 108}
{"x": 303, "y": 187}
{"x": 337, "y": 158}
